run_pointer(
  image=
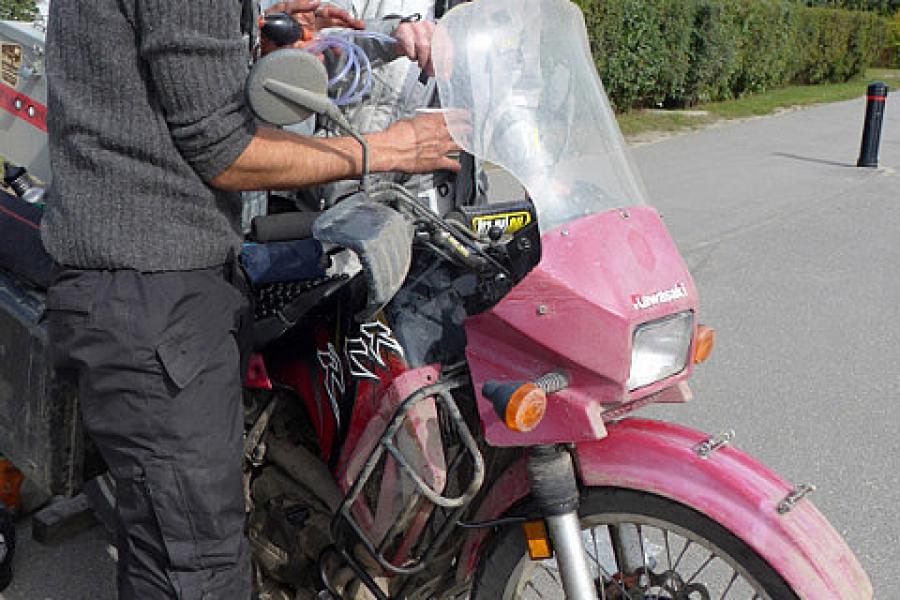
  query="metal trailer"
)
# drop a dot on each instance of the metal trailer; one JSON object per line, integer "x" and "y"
{"x": 40, "y": 429}
{"x": 39, "y": 422}
{"x": 23, "y": 96}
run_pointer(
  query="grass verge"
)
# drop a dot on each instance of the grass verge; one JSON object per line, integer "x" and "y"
{"x": 641, "y": 123}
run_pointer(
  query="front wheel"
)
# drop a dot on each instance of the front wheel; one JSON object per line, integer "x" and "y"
{"x": 639, "y": 546}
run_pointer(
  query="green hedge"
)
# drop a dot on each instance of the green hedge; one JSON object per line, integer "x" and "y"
{"x": 17, "y": 9}
{"x": 680, "y": 52}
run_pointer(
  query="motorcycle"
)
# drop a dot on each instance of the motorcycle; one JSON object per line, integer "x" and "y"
{"x": 439, "y": 407}
{"x": 455, "y": 421}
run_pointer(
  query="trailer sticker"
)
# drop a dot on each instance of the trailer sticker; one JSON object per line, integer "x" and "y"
{"x": 10, "y": 62}
{"x": 23, "y": 107}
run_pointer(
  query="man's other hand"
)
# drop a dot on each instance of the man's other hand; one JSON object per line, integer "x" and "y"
{"x": 310, "y": 14}
{"x": 419, "y": 145}
{"x": 312, "y": 17}
{"x": 414, "y": 42}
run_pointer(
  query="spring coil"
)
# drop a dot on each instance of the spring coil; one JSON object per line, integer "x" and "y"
{"x": 552, "y": 382}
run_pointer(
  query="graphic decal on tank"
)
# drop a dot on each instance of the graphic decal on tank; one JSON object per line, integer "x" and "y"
{"x": 333, "y": 373}
{"x": 375, "y": 338}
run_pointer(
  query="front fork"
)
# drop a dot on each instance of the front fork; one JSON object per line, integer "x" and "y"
{"x": 553, "y": 486}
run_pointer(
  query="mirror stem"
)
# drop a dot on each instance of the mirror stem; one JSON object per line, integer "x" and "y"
{"x": 321, "y": 104}
{"x": 334, "y": 113}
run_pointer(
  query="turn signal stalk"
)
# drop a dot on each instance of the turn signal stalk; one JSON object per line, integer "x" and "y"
{"x": 521, "y": 405}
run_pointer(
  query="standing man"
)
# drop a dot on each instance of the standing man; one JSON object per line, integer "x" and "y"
{"x": 150, "y": 141}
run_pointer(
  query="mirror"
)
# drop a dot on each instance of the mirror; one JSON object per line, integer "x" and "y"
{"x": 285, "y": 87}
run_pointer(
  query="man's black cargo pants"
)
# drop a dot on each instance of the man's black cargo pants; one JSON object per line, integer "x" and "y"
{"x": 157, "y": 363}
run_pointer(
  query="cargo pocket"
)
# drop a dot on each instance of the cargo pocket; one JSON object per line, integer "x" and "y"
{"x": 185, "y": 349}
{"x": 200, "y": 513}
{"x": 185, "y": 352}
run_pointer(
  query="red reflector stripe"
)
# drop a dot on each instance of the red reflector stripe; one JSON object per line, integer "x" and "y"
{"x": 5, "y": 210}
{"x": 877, "y": 98}
{"x": 23, "y": 107}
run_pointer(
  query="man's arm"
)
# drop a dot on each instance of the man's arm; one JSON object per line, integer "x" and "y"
{"x": 281, "y": 160}
{"x": 198, "y": 67}
{"x": 197, "y": 63}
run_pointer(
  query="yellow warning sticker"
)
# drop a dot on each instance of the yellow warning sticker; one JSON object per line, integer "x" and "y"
{"x": 510, "y": 222}
{"x": 10, "y": 61}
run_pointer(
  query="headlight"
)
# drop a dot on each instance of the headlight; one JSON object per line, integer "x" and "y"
{"x": 660, "y": 349}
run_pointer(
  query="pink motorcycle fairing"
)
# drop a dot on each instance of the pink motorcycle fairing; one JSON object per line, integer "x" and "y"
{"x": 729, "y": 487}
{"x": 599, "y": 277}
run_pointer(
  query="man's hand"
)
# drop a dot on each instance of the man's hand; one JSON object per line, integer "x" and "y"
{"x": 332, "y": 16}
{"x": 418, "y": 145}
{"x": 310, "y": 14}
{"x": 311, "y": 17}
{"x": 414, "y": 42}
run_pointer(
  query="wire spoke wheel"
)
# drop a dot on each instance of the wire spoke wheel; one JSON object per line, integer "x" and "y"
{"x": 639, "y": 547}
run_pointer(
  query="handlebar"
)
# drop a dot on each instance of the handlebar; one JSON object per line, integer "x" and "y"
{"x": 283, "y": 227}
{"x": 282, "y": 30}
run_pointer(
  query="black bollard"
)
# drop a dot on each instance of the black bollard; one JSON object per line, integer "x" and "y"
{"x": 868, "y": 153}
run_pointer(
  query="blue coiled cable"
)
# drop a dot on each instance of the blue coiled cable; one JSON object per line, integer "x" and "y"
{"x": 357, "y": 62}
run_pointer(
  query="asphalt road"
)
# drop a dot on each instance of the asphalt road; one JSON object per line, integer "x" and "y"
{"x": 796, "y": 257}
{"x": 795, "y": 253}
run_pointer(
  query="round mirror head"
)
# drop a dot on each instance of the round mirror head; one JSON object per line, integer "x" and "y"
{"x": 289, "y": 67}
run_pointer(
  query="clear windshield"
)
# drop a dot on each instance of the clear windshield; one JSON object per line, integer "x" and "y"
{"x": 520, "y": 90}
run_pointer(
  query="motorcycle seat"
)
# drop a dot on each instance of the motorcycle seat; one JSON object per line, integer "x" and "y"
{"x": 21, "y": 252}
{"x": 279, "y": 306}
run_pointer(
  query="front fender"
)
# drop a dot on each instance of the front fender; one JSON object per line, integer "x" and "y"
{"x": 730, "y": 487}
{"x": 734, "y": 490}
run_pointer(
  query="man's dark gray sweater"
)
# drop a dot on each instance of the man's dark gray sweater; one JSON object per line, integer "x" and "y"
{"x": 145, "y": 107}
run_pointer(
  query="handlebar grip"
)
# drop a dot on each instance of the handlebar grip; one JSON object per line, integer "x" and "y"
{"x": 283, "y": 227}
{"x": 281, "y": 29}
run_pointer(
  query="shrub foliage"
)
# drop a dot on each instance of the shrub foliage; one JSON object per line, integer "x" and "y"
{"x": 680, "y": 52}
{"x": 17, "y": 9}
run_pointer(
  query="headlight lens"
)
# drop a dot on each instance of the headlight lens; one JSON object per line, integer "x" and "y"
{"x": 660, "y": 349}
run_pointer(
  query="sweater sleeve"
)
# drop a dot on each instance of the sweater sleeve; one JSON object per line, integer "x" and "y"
{"x": 198, "y": 61}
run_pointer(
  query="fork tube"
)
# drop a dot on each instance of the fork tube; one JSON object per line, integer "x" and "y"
{"x": 565, "y": 531}
{"x": 553, "y": 486}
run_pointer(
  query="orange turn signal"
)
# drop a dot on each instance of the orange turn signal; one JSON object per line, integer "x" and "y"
{"x": 706, "y": 339}
{"x": 526, "y": 408}
{"x": 537, "y": 539}
{"x": 520, "y": 405}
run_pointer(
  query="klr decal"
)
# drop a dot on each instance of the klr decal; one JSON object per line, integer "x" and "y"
{"x": 375, "y": 338}
{"x": 507, "y": 222}
{"x": 678, "y": 292}
{"x": 333, "y": 373}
